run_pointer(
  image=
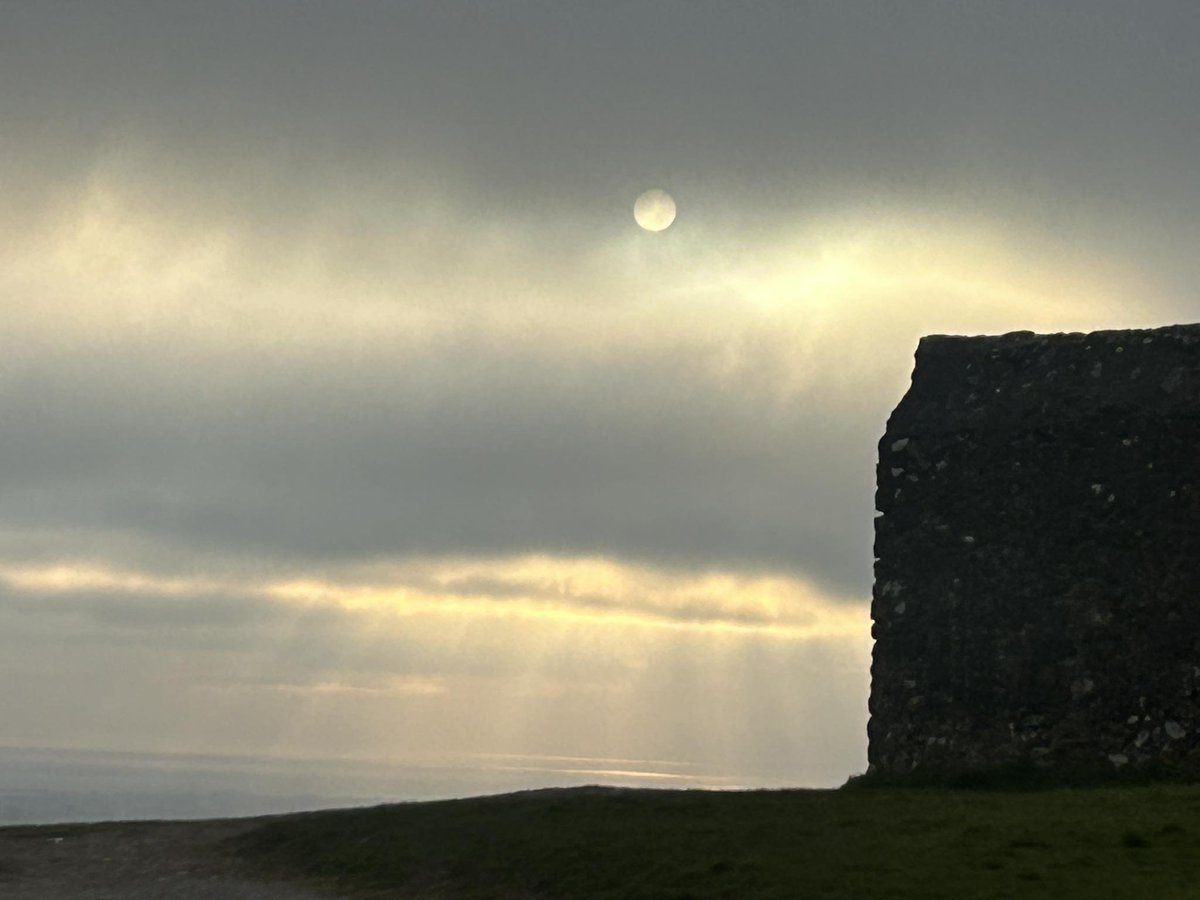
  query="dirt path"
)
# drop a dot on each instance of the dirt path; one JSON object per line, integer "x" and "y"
{"x": 134, "y": 861}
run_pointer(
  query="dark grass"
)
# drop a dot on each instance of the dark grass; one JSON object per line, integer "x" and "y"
{"x": 1025, "y": 776}
{"x": 44, "y": 832}
{"x": 929, "y": 843}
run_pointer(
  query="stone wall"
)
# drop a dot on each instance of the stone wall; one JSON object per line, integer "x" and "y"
{"x": 1037, "y": 574}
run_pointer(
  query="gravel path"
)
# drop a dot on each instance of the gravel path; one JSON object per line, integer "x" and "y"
{"x": 134, "y": 861}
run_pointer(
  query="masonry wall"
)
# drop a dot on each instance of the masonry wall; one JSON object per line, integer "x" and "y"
{"x": 1037, "y": 581}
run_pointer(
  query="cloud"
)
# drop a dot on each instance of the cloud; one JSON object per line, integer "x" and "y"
{"x": 381, "y": 665}
{"x": 590, "y": 591}
{"x": 185, "y": 383}
{"x": 336, "y": 376}
{"x": 390, "y": 687}
{"x": 784, "y": 105}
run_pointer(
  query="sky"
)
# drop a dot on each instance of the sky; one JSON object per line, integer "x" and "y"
{"x": 346, "y": 412}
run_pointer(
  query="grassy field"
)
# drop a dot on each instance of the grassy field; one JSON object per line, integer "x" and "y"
{"x": 1134, "y": 842}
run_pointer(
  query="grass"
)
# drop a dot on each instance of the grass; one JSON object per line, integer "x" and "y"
{"x": 604, "y": 844}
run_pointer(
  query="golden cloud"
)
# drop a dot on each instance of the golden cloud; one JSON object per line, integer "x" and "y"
{"x": 585, "y": 590}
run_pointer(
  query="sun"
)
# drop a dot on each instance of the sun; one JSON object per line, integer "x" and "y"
{"x": 654, "y": 210}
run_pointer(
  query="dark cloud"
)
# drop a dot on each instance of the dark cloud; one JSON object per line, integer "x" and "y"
{"x": 202, "y": 611}
{"x": 267, "y": 641}
{"x": 468, "y": 451}
{"x": 541, "y": 105}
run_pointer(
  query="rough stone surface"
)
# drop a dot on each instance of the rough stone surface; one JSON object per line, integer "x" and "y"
{"x": 1037, "y": 574}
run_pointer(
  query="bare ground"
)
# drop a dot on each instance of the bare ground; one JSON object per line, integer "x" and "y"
{"x": 135, "y": 861}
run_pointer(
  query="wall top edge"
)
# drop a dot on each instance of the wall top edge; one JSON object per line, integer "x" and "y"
{"x": 936, "y": 343}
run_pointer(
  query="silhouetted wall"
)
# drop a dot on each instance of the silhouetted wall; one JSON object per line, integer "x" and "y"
{"x": 1037, "y": 574}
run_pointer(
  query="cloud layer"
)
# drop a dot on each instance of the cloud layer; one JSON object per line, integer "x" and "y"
{"x": 344, "y": 408}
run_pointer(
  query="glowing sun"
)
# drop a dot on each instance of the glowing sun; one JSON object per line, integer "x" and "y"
{"x": 654, "y": 210}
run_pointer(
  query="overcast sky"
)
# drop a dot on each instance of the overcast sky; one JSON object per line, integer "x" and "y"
{"x": 345, "y": 410}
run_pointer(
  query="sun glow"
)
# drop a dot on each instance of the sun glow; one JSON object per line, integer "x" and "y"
{"x": 588, "y": 590}
{"x": 118, "y": 263}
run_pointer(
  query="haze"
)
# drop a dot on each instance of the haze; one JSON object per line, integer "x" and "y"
{"x": 346, "y": 412}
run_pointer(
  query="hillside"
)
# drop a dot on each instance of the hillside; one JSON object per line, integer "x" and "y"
{"x": 603, "y": 844}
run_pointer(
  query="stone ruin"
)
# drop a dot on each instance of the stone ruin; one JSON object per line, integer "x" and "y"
{"x": 1037, "y": 573}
